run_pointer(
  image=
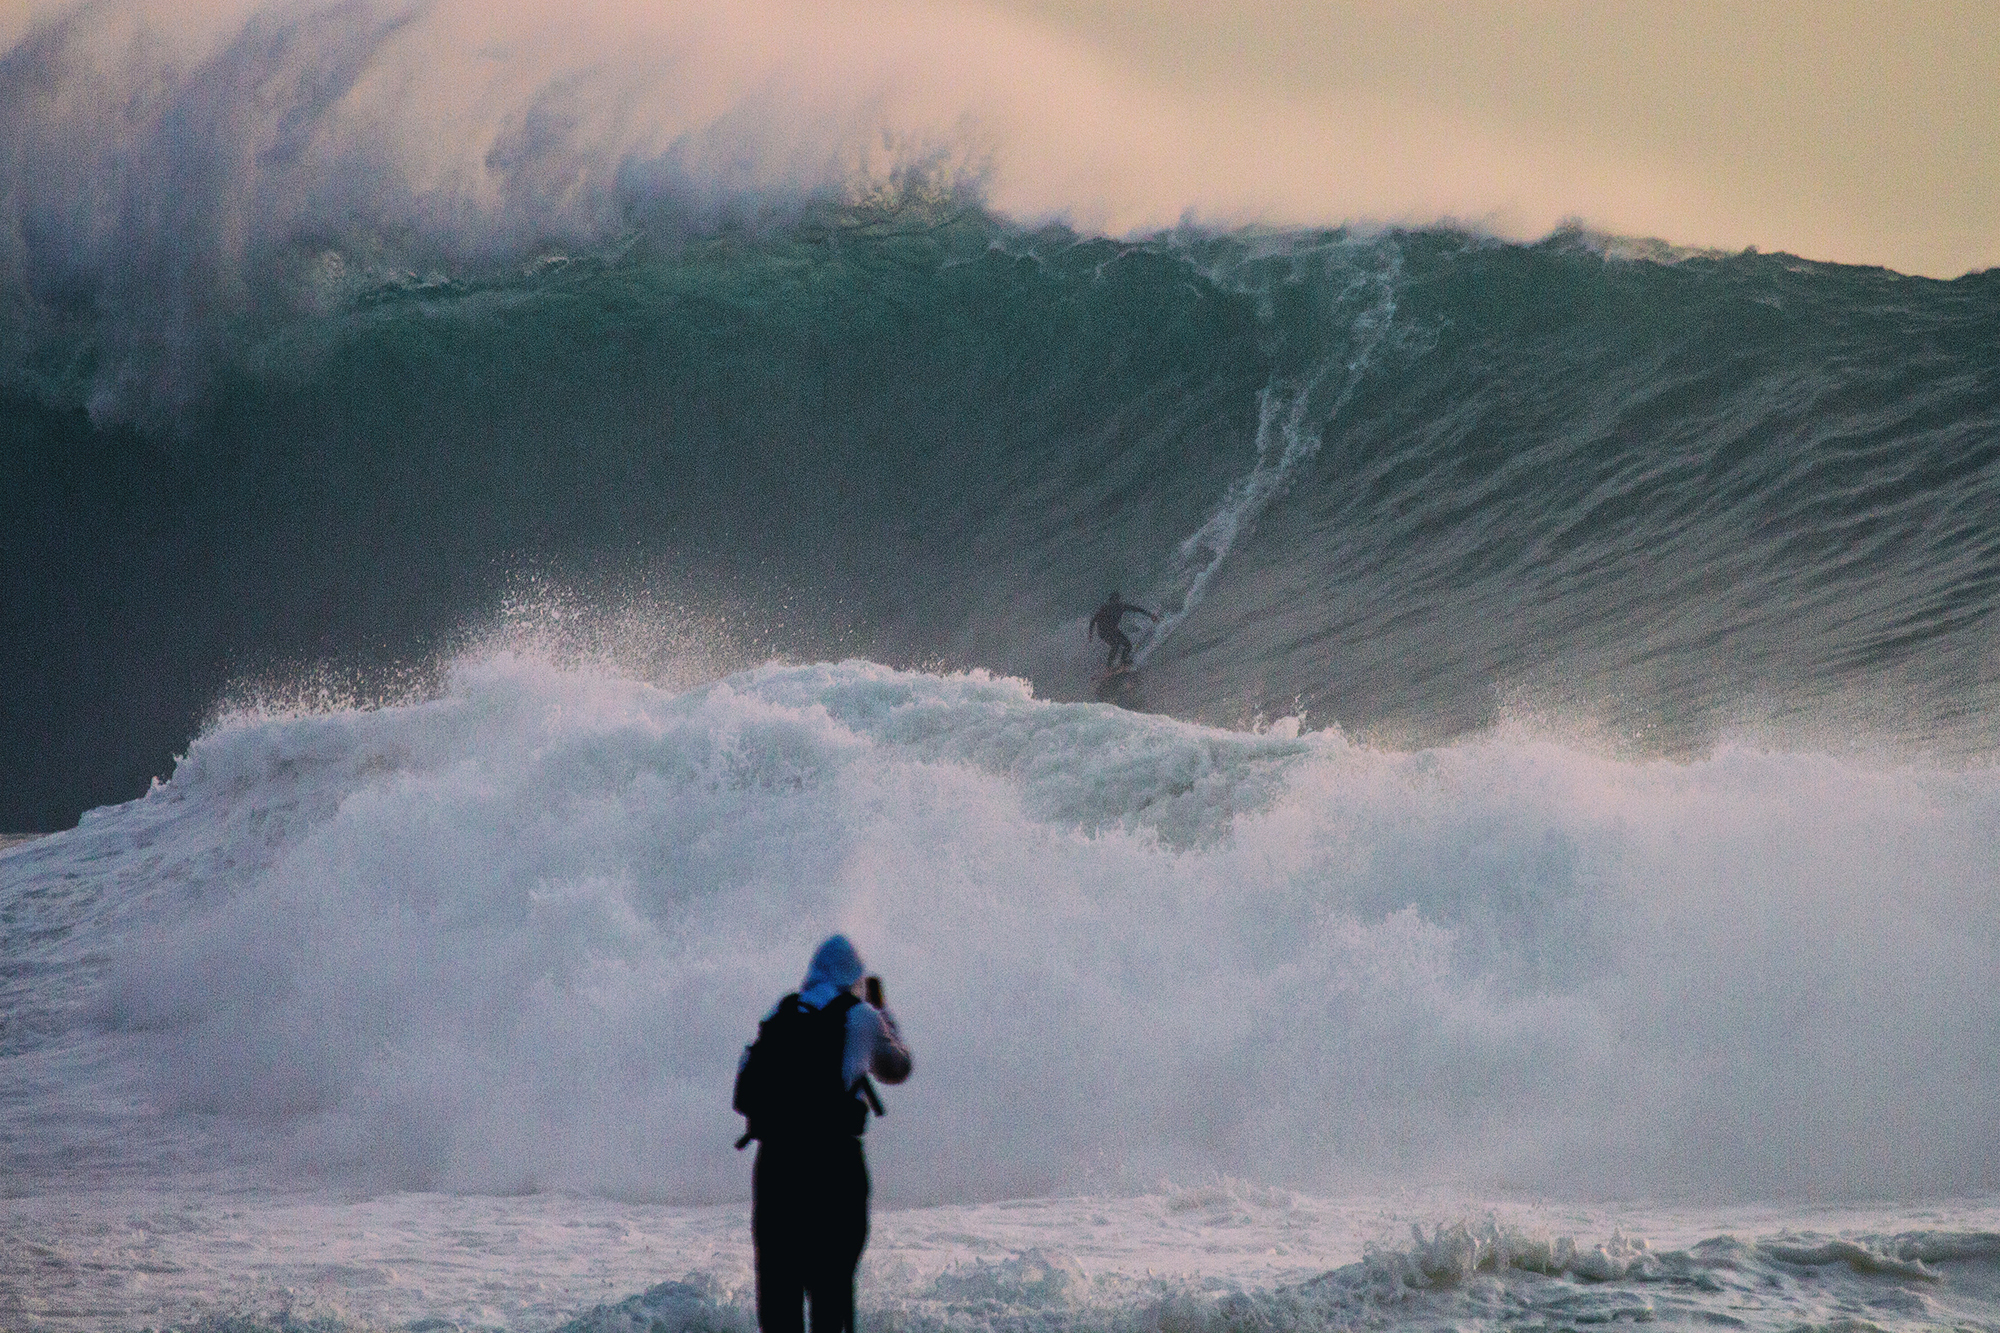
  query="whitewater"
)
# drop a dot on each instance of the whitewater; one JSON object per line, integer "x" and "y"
{"x": 418, "y": 1016}
{"x": 493, "y": 577}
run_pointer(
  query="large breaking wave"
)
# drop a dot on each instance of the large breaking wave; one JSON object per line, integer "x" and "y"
{"x": 305, "y": 373}
{"x": 560, "y": 574}
{"x": 563, "y": 522}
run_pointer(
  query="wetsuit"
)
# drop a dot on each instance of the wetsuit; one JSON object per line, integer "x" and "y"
{"x": 1104, "y": 624}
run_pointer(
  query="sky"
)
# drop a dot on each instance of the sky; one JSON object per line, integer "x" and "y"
{"x": 1837, "y": 130}
{"x": 1863, "y": 131}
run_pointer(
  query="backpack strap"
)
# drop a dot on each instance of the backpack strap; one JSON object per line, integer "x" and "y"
{"x": 843, "y": 1004}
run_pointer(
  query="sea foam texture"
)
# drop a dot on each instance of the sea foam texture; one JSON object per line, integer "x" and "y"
{"x": 515, "y": 936}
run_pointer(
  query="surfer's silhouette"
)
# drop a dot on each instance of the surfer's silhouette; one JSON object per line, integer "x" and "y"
{"x": 1104, "y": 625}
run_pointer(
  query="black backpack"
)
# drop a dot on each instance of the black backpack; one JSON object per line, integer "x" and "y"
{"x": 790, "y": 1088}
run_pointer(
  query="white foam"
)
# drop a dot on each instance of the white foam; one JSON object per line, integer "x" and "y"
{"x": 1209, "y": 1257}
{"x": 514, "y": 938}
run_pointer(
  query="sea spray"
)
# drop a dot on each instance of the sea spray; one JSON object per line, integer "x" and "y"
{"x": 504, "y": 547}
{"x": 514, "y": 937}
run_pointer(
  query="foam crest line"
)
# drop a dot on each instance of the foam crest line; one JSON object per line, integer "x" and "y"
{"x": 515, "y": 936}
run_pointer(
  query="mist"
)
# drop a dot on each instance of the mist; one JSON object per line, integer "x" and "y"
{"x": 467, "y": 128}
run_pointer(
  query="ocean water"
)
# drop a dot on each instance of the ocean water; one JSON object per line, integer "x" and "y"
{"x": 427, "y": 1012}
{"x": 463, "y": 650}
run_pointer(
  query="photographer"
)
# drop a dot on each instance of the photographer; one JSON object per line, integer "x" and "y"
{"x": 805, "y": 1086}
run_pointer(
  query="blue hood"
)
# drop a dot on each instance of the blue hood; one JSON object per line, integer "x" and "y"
{"x": 835, "y": 967}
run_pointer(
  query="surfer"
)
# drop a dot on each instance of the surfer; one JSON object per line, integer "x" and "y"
{"x": 1104, "y": 625}
{"x": 804, "y": 1084}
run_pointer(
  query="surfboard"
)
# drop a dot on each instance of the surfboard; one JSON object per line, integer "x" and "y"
{"x": 1114, "y": 672}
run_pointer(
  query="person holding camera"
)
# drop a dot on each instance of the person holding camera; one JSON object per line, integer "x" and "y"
{"x": 806, "y": 1087}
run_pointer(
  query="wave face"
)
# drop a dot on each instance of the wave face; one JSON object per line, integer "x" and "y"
{"x": 305, "y": 373}
{"x": 513, "y": 938}
{"x": 283, "y": 396}
{"x": 1408, "y": 483}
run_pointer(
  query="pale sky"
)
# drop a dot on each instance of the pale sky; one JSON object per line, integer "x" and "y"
{"x": 1838, "y": 130}
{"x": 1866, "y": 131}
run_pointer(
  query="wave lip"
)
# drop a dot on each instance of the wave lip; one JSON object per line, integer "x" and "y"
{"x": 174, "y": 198}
